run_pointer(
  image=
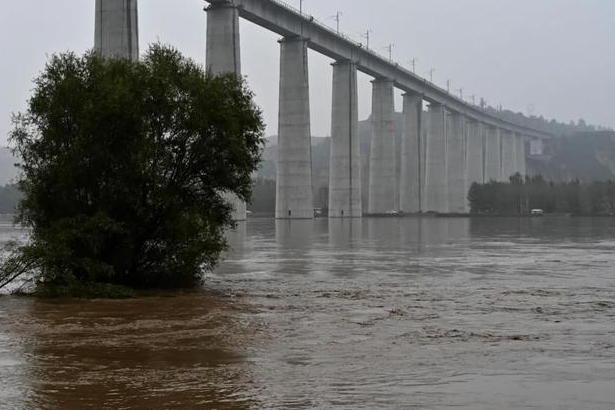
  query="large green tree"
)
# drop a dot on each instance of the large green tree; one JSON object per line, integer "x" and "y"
{"x": 125, "y": 165}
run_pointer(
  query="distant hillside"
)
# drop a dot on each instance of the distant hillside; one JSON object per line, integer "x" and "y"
{"x": 588, "y": 156}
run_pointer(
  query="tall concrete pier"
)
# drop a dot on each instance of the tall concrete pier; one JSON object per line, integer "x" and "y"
{"x": 223, "y": 56}
{"x": 456, "y": 148}
{"x": 436, "y": 164}
{"x": 294, "y": 170}
{"x": 474, "y": 154}
{"x": 493, "y": 167}
{"x": 521, "y": 168}
{"x": 117, "y": 29}
{"x": 345, "y": 160}
{"x": 223, "y": 41}
{"x": 382, "y": 169}
{"x": 509, "y": 155}
{"x": 411, "y": 152}
{"x": 485, "y": 134}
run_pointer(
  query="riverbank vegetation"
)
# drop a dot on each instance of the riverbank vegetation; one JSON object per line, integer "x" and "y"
{"x": 125, "y": 168}
{"x": 520, "y": 195}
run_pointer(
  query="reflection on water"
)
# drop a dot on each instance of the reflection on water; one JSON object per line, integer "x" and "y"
{"x": 345, "y": 233}
{"x": 390, "y": 313}
{"x": 139, "y": 354}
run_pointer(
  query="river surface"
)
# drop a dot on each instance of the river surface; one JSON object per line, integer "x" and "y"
{"x": 408, "y": 313}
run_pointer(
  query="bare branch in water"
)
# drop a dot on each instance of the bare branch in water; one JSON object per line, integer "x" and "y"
{"x": 16, "y": 264}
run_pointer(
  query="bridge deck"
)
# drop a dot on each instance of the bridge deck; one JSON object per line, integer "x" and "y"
{"x": 286, "y": 21}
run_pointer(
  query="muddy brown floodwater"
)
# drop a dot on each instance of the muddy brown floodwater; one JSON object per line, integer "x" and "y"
{"x": 407, "y": 313}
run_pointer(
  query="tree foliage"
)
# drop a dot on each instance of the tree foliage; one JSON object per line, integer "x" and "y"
{"x": 125, "y": 165}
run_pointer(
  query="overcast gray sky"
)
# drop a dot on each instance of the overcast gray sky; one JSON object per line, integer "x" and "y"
{"x": 555, "y": 55}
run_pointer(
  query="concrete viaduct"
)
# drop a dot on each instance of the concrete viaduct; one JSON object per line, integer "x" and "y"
{"x": 444, "y": 149}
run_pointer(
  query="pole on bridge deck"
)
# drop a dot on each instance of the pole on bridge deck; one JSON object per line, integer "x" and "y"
{"x": 366, "y": 36}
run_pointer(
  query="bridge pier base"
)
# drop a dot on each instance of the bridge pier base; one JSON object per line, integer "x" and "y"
{"x": 457, "y": 192}
{"x": 436, "y": 172}
{"x": 411, "y": 172}
{"x": 223, "y": 56}
{"x": 294, "y": 171}
{"x": 345, "y": 189}
{"x": 117, "y": 29}
{"x": 382, "y": 169}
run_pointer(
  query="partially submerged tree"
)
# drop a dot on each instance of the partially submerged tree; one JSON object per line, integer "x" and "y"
{"x": 125, "y": 165}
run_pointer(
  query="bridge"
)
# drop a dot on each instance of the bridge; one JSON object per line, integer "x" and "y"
{"x": 444, "y": 149}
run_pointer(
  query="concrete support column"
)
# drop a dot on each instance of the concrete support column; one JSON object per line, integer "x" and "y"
{"x": 382, "y": 169}
{"x": 474, "y": 154}
{"x": 521, "y": 168}
{"x": 485, "y": 132}
{"x": 117, "y": 29}
{"x": 223, "y": 56}
{"x": 493, "y": 167}
{"x": 345, "y": 164}
{"x": 424, "y": 136}
{"x": 436, "y": 164}
{"x": 411, "y": 153}
{"x": 514, "y": 148}
{"x": 457, "y": 167}
{"x": 509, "y": 155}
{"x": 294, "y": 170}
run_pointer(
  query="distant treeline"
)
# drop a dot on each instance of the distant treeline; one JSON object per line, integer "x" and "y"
{"x": 10, "y": 196}
{"x": 520, "y": 196}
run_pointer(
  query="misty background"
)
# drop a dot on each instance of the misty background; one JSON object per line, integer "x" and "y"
{"x": 551, "y": 58}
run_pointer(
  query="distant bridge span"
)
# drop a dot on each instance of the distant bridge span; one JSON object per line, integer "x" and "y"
{"x": 444, "y": 150}
{"x": 284, "y": 20}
